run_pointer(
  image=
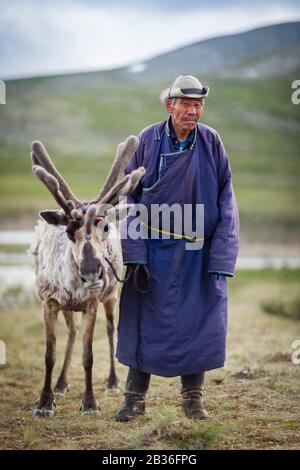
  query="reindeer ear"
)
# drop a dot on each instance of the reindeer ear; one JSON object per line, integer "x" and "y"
{"x": 53, "y": 217}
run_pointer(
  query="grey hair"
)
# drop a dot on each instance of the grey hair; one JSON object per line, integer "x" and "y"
{"x": 163, "y": 99}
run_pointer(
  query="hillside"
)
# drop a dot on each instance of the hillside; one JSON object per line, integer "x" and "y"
{"x": 263, "y": 52}
{"x": 81, "y": 118}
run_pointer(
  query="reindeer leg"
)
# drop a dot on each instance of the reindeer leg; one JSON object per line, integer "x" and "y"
{"x": 62, "y": 385}
{"x": 109, "y": 306}
{"x": 46, "y": 400}
{"x": 89, "y": 405}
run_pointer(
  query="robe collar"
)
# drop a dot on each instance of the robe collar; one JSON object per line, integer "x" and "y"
{"x": 163, "y": 127}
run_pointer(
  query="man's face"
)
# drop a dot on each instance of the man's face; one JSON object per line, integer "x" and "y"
{"x": 185, "y": 112}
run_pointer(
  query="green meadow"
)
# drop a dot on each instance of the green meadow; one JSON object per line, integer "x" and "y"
{"x": 82, "y": 118}
{"x": 253, "y": 402}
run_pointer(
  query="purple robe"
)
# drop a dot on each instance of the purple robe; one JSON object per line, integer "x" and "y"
{"x": 179, "y": 327}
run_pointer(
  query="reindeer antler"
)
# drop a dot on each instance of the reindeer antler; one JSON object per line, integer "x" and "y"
{"x": 111, "y": 192}
{"x": 121, "y": 189}
{"x": 40, "y": 157}
{"x": 124, "y": 152}
{"x": 52, "y": 184}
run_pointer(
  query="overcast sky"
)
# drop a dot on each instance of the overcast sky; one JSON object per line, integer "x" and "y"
{"x": 39, "y": 37}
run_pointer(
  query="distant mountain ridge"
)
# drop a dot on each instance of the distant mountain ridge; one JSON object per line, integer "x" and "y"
{"x": 267, "y": 51}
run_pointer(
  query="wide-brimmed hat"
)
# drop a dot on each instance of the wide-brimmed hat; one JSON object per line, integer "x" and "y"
{"x": 185, "y": 86}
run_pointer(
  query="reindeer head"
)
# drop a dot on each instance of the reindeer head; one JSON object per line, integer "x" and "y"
{"x": 89, "y": 225}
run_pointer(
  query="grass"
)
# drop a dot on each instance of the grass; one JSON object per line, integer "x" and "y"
{"x": 14, "y": 248}
{"x": 81, "y": 119}
{"x": 286, "y": 306}
{"x": 253, "y": 402}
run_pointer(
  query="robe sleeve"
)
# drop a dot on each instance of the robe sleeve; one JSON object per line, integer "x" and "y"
{"x": 225, "y": 240}
{"x": 134, "y": 251}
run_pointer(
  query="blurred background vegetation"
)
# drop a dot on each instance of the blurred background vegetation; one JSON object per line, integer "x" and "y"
{"x": 81, "y": 118}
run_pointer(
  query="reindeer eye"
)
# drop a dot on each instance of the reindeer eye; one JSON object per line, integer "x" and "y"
{"x": 71, "y": 237}
{"x": 100, "y": 225}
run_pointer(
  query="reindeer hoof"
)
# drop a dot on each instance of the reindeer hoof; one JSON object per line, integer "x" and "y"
{"x": 43, "y": 413}
{"x": 60, "y": 392}
{"x": 113, "y": 384}
{"x": 90, "y": 412}
{"x": 113, "y": 390}
{"x": 58, "y": 396}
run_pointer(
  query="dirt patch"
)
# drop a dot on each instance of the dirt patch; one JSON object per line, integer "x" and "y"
{"x": 248, "y": 374}
{"x": 281, "y": 357}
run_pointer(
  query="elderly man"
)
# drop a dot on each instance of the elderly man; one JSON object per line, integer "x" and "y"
{"x": 177, "y": 327}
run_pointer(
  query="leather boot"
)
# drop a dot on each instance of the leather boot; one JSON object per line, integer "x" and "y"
{"x": 136, "y": 388}
{"x": 192, "y": 396}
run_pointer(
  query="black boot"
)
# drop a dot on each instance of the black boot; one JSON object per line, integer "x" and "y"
{"x": 136, "y": 388}
{"x": 192, "y": 396}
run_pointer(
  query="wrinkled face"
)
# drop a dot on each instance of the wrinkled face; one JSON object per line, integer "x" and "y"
{"x": 89, "y": 252}
{"x": 185, "y": 112}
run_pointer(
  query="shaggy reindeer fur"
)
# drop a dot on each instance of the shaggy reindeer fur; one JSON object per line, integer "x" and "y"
{"x": 73, "y": 253}
{"x": 60, "y": 280}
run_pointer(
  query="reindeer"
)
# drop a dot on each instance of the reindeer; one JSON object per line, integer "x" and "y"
{"x": 78, "y": 260}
